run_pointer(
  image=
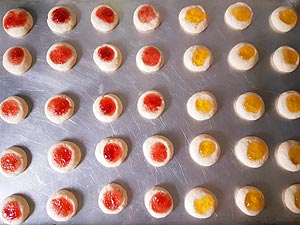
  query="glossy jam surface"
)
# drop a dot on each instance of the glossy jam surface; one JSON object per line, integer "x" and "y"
{"x": 16, "y": 55}
{"x": 10, "y": 108}
{"x": 61, "y": 15}
{"x": 195, "y": 15}
{"x": 107, "y": 106}
{"x": 11, "y": 211}
{"x": 14, "y": 19}
{"x": 62, "y": 155}
{"x": 106, "y": 54}
{"x": 241, "y": 13}
{"x": 161, "y": 202}
{"x": 62, "y": 206}
{"x": 254, "y": 201}
{"x": 146, "y": 14}
{"x": 246, "y": 52}
{"x": 61, "y": 54}
{"x": 204, "y": 204}
{"x": 290, "y": 56}
{"x": 159, "y": 152}
{"x": 293, "y": 103}
{"x": 59, "y": 106}
{"x": 153, "y": 102}
{"x": 288, "y": 16}
{"x": 252, "y": 103}
{"x": 105, "y": 14}
{"x": 207, "y": 148}
{"x": 256, "y": 150}
{"x": 200, "y": 56}
{"x": 294, "y": 154}
{"x": 203, "y": 105}
{"x": 10, "y": 162}
{"x": 151, "y": 56}
{"x": 113, "y": 199}
{"x": 112, "y": 152}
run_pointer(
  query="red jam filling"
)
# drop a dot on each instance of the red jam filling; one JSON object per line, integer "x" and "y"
{"x": 59, "y": 106}
{"x": 159, "y": 152}
{"x": 106, "y": 14}
{"x": 16, "y": 55}
{"x": 10, "y": 108}
{"x": 112, "y": 152}
{"x": 113, "y": 199}
{"x": 146, "y": 14}
{"x": 106, "y": 54}
{"x": 15, "y": 19}
{"x": 60, "y": 54}
{"x": 61, "y": 15}
{"x": 152, "y": 102}
{"x": 107, "y": 106}
{"x": 62, "y": 156}
{"x": 62, "y": 206}
{"x": 11, "y": 211}
{"x": 10, "y": 162}
{"x": 151, "y": 56}
{"x": 161, "y": 202}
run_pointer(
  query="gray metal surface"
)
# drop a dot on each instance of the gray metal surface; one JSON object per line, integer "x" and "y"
{"x": 85, "y": 82}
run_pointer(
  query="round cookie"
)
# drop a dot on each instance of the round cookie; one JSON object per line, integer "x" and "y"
{"x": 288, "y": 105}
{"x": 64, "y": 156}
{"x": 251, "y": 151}
{"x": 61, "y": 19}
{"x": 149, "y": 59}
{"x": 17, "y": 60}
{"x": 151, "y": 104}
{"x": 200, "y": 203}
{"x": 285, "y": 59}
{"x": 111, "y": 152}
{"x": 17, "y": 22}
{"x": 61, "y": 56}
{"x": 205, "y": 150}
{"x": 158, "y": 150}
{"x": 62, "y": 205}
{"x": 202, "y": 105}
{"x": 243, "y": 56}
{"x": 13, "y": 110}
{"x": 288, "y": 155}
{"x": 197, "y": 58}
{"x": 112, "y": 198}
{"x": 59, "y": 108}
{"x": 238, "y": 16}
{"x": 249, "y": 106}
{"x": 13, "y": 161}
{"x": 107, "y": 108}
{"x": 291, "y": 198}
{"x": 107, "y": 57}
{"x": 193, "y": 19}
{"x": 104, "y": 18}
{"x": 158, "y": 202}
{"x": 14, "y": 209}
{"x": 283, "y": 19}
{"x": 146, "y": 18}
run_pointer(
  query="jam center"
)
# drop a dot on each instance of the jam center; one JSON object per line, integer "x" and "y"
{"x": 112, "y": 152}
{"x": 107, "y": 106}
{"x": 15, "y": 19}
{"x": 246, "y": 52}
{"x": 59, "y": 106}
{"x": 293, "y": 103}
{"x": 199, "y": 56}
{"x": 146, "y": 14}
{"x": 10, "y": 108}
{"x": 288, "y": 16}
{"x": 10, "y": 162}
{"x": 11, "y": 211}
{"x": 161, "y": 202}
{"x": 195, "y": 15}
{"x": 294, "y": 154}
{"x": 252, "y": 103}
{"x": 203, "y": 105}
{"x": 106, "y": 14}
{"x": 256, "y": 150}
{"x": 61, "y": 15}
{"x": 61, "y": 54}
{"x": 62, "y": 206}
{"x": 62, "y": 155}
{"x": 241, "y": 13}
{"x": 153, "y": 102}
{"x": 106, "y": 54}
{"x": 159, "y": 152}
{"x": 16, "y": 55}
{"x": 113, "y": 199}
{"x": 207, "y": 148}
{"x": 151, "y": 56}
{"x": 204, "y": 204}
{"x": 254, "y": 201}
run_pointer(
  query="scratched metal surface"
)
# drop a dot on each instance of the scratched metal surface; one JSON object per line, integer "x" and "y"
{"x": 84, "y": 83}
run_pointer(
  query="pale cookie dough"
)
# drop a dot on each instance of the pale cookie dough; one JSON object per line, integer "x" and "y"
{"x": 193, "y": 19}
{"x": 104, "y": 18}
{"x": 107, "y": 108}
{"x": 109, "y": 148}
{"x": 283, "y": 19}
{"x": 238, "y": 16}
{"x": 54, "y": 204}
{"x": 13, "y": 110}
{"x": 151, "y": 104}
{"x": 13, "y": 161}
{"x": 107, "y": 57}
{"x": 288, "y": 105}
{"x": 17, "y": 60}
{"x": 197, "y": 58}
{"x": 146, "y": 18}
{"x": 285, "y": 59}
{"x": 288, "y": 155}
{"x": 202, "y": 105}
{"x": 291, "y": 198}
{"x": 205, "y": 150}
{"x": 149, "y": 59}
{"x": 61, "y": 19}
{"x": 64, "y": 156}
{"x": 17, "y": 22}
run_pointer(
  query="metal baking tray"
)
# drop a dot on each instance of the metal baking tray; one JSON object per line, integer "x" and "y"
{"x": 85, "y": 82}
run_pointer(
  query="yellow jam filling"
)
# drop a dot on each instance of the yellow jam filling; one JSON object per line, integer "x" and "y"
{"x": 241, "y": 13}
{"x": 297, "y": 199}
{"x": 293, "y": 103}
{"x": 204, "y": 204}
{"x": 294, "y": 154}
{"x": 252, "y": 103}
{"x": 254, "y": 201}
{"x": 246, "y": 52}
{"x": 203, "y": 105}
{"x": 256, "y": 150}
{"x": 290, "y": 56}
{"x": 199, "y": 56}
{"x": 288, "y": 16}
{"x": 195, "y": 15}
{"x": 207, "y": 148}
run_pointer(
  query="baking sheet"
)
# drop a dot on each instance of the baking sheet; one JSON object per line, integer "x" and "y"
{"x": 85, "y": 82}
